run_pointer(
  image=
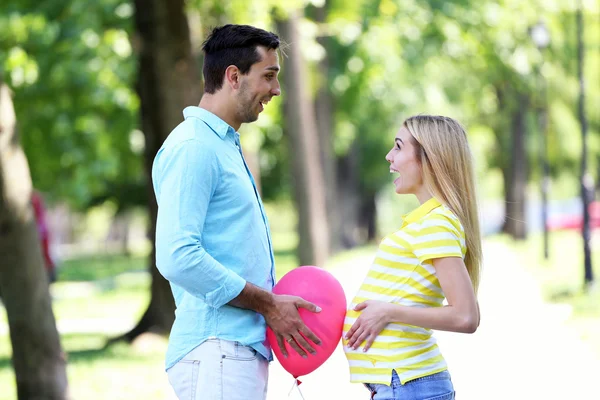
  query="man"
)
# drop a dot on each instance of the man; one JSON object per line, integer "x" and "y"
{"x": 212, "y": 237}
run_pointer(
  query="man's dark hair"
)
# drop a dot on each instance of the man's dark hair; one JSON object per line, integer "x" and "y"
{"x": 233, "y": 45}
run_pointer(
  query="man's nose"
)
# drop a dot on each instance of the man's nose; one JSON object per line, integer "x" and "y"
{"x": 276, "y": 91}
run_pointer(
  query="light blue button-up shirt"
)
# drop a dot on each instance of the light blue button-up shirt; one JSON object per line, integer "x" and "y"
{"x": 212, "y": 234}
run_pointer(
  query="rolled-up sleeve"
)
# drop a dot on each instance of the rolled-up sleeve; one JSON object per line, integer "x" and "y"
{"x": 185, "y": 177}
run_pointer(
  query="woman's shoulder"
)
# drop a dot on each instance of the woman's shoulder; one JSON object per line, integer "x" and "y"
{"x": 442, "y": 217}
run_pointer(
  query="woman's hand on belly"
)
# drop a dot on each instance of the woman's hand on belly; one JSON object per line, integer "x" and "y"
{"x": 374, "y": 318}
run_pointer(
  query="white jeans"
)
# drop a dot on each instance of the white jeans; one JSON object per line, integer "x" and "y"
{"x": 220, "y": 370}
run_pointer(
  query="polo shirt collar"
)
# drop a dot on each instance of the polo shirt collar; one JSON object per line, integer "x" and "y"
{"x": 219, "y": 126}
{"x": 421, "y": 211}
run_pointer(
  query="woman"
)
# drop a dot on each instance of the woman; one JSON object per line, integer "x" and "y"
{"x": 435, "y": 255}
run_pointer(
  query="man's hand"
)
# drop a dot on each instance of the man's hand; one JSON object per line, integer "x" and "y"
{"x": 370, "y": 323}
{"x": 281, "y": 314}
{"x": 285, "y": 321}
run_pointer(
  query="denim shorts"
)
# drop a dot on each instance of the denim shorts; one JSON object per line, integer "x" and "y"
{"x": 432, "y": 387}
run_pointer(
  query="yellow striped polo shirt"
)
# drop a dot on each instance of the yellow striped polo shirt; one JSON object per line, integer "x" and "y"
{"x": 403, "y": 273}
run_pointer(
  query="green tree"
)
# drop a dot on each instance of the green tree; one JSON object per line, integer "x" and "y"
{"x": 70, "y": 65}
{"x": 303, "y": 139}
{"x": 167, "y": 83}
{"x": 38, "y": 360}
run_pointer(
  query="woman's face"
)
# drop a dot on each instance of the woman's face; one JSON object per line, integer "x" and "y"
{"x": 403, "y": 162}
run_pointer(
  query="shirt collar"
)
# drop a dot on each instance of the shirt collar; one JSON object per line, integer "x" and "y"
{"x": 421, "y": 211}
{"x": 215, "y": 123}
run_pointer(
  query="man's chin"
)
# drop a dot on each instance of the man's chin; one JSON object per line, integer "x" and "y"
{"x": 251, "y": 118}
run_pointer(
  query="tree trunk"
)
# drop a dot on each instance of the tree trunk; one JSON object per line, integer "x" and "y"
{"x": 307, "y": 171}
{"x": 597, "y": 195}
{"x": 587, "y": 185}
{"x": 38, "y": 359}
{"x": 515, "y": 175}
{"x": 325, "y": 127}
{"x": 349, "y": 199}
{"x": 368, "y": 216}
{"x": 167, "y": 83}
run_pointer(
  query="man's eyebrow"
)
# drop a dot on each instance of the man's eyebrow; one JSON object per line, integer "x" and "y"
{"x": 273, "y": 68}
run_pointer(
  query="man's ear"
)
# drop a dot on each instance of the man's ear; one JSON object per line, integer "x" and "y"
{"x": 232, "y": 77}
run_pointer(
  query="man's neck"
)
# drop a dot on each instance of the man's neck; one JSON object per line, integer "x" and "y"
{"x": 218, "y": 106}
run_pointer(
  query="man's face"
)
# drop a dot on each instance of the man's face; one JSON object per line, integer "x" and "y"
{"x": 258, "y": 86}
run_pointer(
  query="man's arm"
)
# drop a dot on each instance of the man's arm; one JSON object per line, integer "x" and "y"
{"x": 185, "y": 177}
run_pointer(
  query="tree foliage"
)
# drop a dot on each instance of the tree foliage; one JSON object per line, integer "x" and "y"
{"x": 71, "y": 66}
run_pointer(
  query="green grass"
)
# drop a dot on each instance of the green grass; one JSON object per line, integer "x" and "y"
{"x": 99, "y": 267}
{"x": 118, "y": 372}
{"x": 561, "y": 277}
{"x": 100, "y": 288}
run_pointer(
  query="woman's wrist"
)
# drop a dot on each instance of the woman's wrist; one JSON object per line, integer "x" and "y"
{"x": 394, "y": 313}
{"x": 391, "y": 313}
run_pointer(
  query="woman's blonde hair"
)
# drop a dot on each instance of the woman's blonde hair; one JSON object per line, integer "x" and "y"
{"x": 446, "y": 161}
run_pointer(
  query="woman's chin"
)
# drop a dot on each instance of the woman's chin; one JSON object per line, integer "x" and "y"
{"x": 403, "y": 190}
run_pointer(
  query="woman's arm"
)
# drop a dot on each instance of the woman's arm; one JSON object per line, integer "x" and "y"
{"x": 460, "y": 315}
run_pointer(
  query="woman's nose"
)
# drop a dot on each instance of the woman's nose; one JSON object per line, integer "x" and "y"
{"x": 388, "y": 157}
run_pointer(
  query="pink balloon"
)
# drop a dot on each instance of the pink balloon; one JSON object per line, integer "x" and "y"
{"x": 321, "y": 288}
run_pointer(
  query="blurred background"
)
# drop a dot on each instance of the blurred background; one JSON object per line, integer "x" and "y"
{"x": 89, "y": 90}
